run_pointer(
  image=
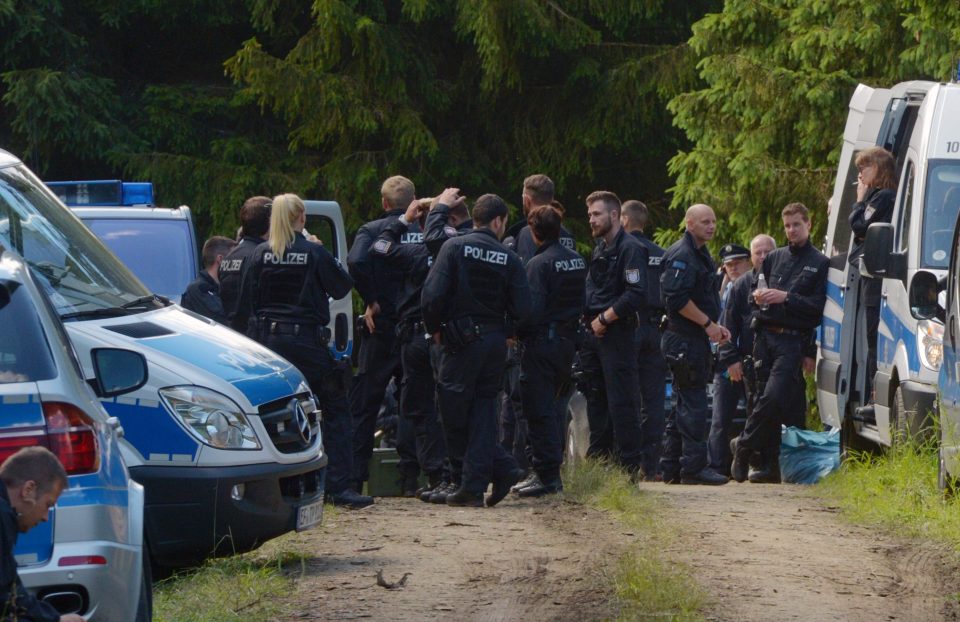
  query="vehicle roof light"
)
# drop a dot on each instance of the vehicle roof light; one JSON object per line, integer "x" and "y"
{"x": 103, "y": 193}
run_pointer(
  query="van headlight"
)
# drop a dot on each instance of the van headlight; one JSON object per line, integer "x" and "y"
{"x": 930, "y": 343}
{"x": 213, "y": 418}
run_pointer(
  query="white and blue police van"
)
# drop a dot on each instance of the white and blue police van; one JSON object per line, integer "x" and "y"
{"x": 919, "y": 122}
{"x": 88, "y": 558}
{"x": 225, "y": 435}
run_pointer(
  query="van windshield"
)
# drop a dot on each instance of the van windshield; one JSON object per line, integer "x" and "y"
{"x": 941, "y": 205}
{"x": 81, "y": 276}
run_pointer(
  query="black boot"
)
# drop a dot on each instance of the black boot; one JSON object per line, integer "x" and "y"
{"x": 541, "y": 488}
{"x": 439, "y": 495}
{"x": 350, "y": 498}
{"x": 433, "y": 480}
{"x": 408, "y": 484}
{"x": 740, "y": 468}
{"x": 464, "y": 499}
{"x": 531, "y": 479}
{"x": 502, "y": 486}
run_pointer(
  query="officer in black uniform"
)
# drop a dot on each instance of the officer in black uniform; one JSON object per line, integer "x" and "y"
{"x": 379, "y": 284}
{"x": 203, "y": 294}
{"x": 556, "y": 276}
{"x": 254, "y": 225}
{"x": 286, "y": 291}
{"x": 474, "y": 284}
{"x": 418, "y": 389}
{"x": 651, "y": 365}
{"x": 691, "y": 295}
{"x": 538, "y": 190}
{"x": 615, "y": 293}
{"x": 728, "y": 384}
{"x": 786, "y": 315}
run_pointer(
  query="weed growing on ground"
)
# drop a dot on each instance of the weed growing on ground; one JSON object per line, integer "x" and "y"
{"x": 647, "y": 585}
{"x": 897, "y": 489}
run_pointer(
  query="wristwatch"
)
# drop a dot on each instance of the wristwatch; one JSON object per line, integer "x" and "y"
{"x": 707, "y": 323}
{"x": 603, "y": 320}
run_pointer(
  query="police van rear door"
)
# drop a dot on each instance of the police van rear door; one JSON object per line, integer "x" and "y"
{"x": 834, "y": 363}
{"x": 325, "y": 220}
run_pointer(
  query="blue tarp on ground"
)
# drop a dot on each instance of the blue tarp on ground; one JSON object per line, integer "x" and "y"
{"x": 806, "y": 456}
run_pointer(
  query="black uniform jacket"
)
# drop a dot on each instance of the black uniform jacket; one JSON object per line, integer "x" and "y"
{"x": 526, "y": 248}
{"x": 736, "y": 317}
{"x": 379, "y": 281}
{"x": 203, "y": 297}
{"x": 689, "y": 274}
{"x": 294, "y": 286}
{"x": 617, "y": 277}
{"x": 413, "y": 261}
{"x": 654, "y": 270}
{"x": 438, "y": 228}
{"x": 877, "y": 206}
{"x": 475, "y": 276}
{"x": 802, "y": 273}
{"x": 15, "y": 602}
{"x": 231, "y": 274}
{"x": 557, "y": 278}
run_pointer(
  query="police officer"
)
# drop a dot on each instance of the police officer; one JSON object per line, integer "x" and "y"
{"x": 690, "y": 293}
{"x": 615, "y": 293}
{"x": 538, "y": 190}
{"x": 286, "y": 291}
{"x": 418, "y": 388}
{"x": 651, "y": 366}
{"x": 474, "y": 284}
{"x": 556, "y": 276}
{"x": 203, "y": 294}
{"x": 254, "y": 224}
{"x": 785, "y": 317}
{"x": 728, "y": 384}
{"x": 379, "y": 285}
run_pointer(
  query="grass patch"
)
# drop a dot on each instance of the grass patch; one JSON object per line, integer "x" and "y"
{"x": 646, "y": 585}
{"x": 896, "y": 489}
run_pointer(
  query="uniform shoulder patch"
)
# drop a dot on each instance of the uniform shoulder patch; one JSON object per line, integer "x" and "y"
{"x": 450, "y": 231}
{"x": 382, "y": 246}
{"x": 678, "y": 265}
{"x": 632, "y": 276}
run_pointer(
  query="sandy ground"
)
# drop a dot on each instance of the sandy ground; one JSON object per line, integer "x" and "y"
{"x": 761, "y": 552}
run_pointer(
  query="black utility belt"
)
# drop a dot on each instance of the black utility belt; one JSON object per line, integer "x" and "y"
{"x": 554, "y": 330}
{"x": 268, "y": 326}
{"x": 408, "y": 329}
{"x": 783, "y": 330}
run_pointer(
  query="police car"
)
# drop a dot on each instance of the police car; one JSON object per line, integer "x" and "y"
{"x": 224, "y": 436}
{"x": 89, "y": 557}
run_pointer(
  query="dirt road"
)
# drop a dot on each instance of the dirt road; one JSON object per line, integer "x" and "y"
{"x": 761, "y": 553}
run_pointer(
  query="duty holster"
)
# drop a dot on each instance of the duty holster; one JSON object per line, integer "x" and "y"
{"x": 460, "y": 333}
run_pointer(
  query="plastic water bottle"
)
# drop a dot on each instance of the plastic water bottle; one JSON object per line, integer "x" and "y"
{"x": 762, "y": 285}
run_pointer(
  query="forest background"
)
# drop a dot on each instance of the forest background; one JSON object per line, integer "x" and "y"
{"x": 739, "y": 104}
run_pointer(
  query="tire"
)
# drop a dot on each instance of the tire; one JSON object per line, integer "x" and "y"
{"x": 145, "y": 605}
{"x": 900, "y": 429}
{"x": 945, "y": 482}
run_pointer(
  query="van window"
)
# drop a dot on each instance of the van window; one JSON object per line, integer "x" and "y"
{"x": 24, "y": 352}
{"x": 841, "y": 233}
{"x": 941, "y": 205}
{"x": 906, "y": 207}
{"x": 77, "y": 270}
{"x": 159, "y": 252}
{"x": 323, "y": 228}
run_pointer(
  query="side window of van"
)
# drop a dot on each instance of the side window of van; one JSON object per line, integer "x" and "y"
{"x": 841, "y": 235}
{"x": 906, "y": 201}
{"x": 24, "y": 354}
{"x": 941, "y": 205}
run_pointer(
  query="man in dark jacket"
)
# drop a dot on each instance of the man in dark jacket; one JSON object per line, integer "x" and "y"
{"x": 254, "y": 226}
{"x": 203, "y": 294}
{"x": 32, "y": 480}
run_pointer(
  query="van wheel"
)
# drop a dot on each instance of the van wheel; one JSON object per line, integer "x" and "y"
{"x": 945, "y": 482}
{"x": 899, "y": 420}
{"x": 145, "y": 605}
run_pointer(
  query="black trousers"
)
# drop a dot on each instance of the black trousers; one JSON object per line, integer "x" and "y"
{"x": 328, "y": 379}
{"x": 512, "y": 425}
{"x": 613, "y": 401}
{"x": 726, "y": 396}
{"x": 379, "y": 360}
{"x": 544, "y": 371}
{"x": 418, "y": 413}
{"x": 652, "y": 370}
{"x": 685, "y": 435}
{"x": 781, "y": 356}
{"x": 470, "y": 379}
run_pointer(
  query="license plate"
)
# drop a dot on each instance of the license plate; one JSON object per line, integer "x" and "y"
{"x": 309, "y": 515}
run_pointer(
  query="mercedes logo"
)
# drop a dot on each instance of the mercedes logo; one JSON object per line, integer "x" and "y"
{"x": 303, "y": 424}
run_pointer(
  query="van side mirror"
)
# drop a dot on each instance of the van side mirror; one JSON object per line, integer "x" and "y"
{"x": 117, "y": 371}
{"x": 924, "y": 296}
{"x": 879, "y": 260}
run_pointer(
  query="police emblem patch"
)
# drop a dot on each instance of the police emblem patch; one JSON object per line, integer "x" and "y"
{"x": 450, "y": 231}
{"x": 632, "y": 276}
{"x": 381, "y": 246}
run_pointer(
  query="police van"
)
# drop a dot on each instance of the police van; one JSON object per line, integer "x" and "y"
{"x": 919, "y": 122}
{"x": 224, "y": 436}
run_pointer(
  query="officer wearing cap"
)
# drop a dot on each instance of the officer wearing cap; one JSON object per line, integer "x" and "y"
{"x": 379, "y": 284}
{"x": 651, "y": 366}
{"x": 691, "y": 295}
{"x": 474, "y": 285}
{"x": 615, "y": 293}
{"x": 786, "y": 315}
{"x": 728, "y": 387}
{"x": 556, "y": 275}
{"x": 254, "y": 225}
{"x": 286, "y": 290}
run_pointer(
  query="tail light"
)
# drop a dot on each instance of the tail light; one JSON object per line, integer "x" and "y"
{"x": 71, "y": 437}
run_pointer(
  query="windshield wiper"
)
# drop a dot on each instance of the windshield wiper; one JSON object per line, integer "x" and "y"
{"x": 143, "y": 300}
{"x": 95, "y": 313}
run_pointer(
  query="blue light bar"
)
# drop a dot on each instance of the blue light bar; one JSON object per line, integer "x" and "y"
{"x": 107, "y": 192}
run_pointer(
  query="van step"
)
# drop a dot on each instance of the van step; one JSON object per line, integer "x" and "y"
{"x": 865, "y": 414}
